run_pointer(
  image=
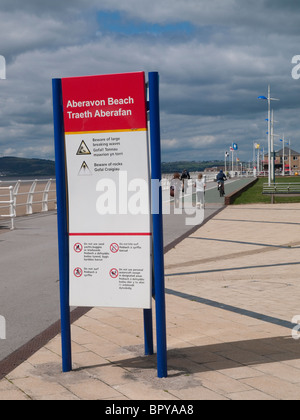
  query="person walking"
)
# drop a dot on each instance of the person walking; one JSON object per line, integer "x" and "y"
{"x": 175, "y": 188}
{"x": 200, "y": 190}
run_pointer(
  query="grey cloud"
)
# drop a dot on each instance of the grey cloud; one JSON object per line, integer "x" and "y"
{"x": 210, "y": 79}
{"x": 43, "y": 7}
{"x": 260, "y": 15}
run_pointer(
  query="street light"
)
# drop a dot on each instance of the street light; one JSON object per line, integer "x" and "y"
{"x": 257, "y": 146}
{"x": 283, "y": 163}
{"x": 269, "y": 99}
{"x": 226, "y": 156}
{"x": 290, "y": 163}
{"x": 272, "y": 147}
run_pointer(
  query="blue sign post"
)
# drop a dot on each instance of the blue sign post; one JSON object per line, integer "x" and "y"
{"x": 158, "y": 248}
{"x": 62, "y": 224}
{"x": 63, "y": 232}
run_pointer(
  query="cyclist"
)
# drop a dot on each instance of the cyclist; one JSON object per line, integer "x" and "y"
{"x": 184, "y": 177}
{"x": 221, "y": 177}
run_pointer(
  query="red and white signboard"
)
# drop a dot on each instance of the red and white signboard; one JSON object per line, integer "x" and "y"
{"x": 108, "y": 179}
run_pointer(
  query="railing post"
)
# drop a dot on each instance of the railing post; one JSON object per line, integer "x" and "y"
{"x": 11, "y": 207}
{"x": 46, "y": 195}
{"x": 15, "y": 194}
{"x": 30, "y": 197}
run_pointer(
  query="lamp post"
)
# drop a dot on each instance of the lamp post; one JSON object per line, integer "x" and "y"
{"x": 283, "y": 163}
{"x": 226, "y": 156}
{"x": 272, "y": 147}
{"x": 290, "y": 163}
{"x": 2, "y": 68}
{"x": 256, "y": 147}
{"x": 269, "y": 99}
{"x": 233, "y": 148}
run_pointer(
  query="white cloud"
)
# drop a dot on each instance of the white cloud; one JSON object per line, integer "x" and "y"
{"x": 9, "y": 152}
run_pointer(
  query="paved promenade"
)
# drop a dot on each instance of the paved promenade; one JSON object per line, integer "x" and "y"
{"x": 232, "y": 290}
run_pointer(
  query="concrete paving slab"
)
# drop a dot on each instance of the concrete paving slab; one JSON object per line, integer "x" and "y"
{"x": 232, "y": 291}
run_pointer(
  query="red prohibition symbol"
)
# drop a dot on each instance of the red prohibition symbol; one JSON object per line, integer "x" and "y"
{"x": 114, "y": 248}
{"x": 78, "y": 247}
{"x": 78, "y": 272}
{"x": 114, "y": 273}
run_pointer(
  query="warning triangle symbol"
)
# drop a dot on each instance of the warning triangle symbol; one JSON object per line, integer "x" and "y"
{"x": 84, "y": 170}
{"x": 83, "y": 149}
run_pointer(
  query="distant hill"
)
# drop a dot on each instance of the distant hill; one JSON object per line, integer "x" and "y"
{"x": 15, "y": 166}
{"x": 171, "y": 167}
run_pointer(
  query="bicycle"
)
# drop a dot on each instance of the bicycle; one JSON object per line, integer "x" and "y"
{"x": 221, "y": 189}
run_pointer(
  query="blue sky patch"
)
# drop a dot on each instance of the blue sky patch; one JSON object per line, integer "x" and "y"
{"x": 120, "y": 23}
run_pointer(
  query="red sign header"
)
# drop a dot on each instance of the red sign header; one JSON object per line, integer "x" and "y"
{"x": 114, "y": 102}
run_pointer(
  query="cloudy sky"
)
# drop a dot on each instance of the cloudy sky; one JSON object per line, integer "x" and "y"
{"x": 214, "y": 57}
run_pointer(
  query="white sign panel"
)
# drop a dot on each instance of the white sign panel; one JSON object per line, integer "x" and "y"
{"x": 108, "y": 190}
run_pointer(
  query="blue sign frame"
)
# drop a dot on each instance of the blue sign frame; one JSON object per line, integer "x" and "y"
{"x": 63, "y": 237}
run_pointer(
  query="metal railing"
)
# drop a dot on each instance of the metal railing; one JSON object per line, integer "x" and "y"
{"x": 167, "y": 178}
{"x": 208, "y": 177}
{"x": 282, "y": 188}
{"x": 8, "y": 192}
{"x": 24, "y": 197}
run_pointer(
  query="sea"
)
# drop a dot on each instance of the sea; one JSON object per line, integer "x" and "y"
{"x": 14, "y": 179}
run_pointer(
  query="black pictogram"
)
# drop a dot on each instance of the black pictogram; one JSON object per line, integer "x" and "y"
{"x": 83, "y": 149}
{"x": 84, "y": 169}
{"x": 78, "y": 272}
{"x": 114, "y": 273}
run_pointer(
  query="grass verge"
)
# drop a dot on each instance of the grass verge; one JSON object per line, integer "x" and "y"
{"x": 254, "y": 193}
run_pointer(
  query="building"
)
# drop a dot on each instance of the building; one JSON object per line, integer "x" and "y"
{"x": 291, "y": 159}
{"x": 213, "y": 169}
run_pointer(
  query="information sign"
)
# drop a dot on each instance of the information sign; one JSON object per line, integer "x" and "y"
{"x": 107, "y": 162}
